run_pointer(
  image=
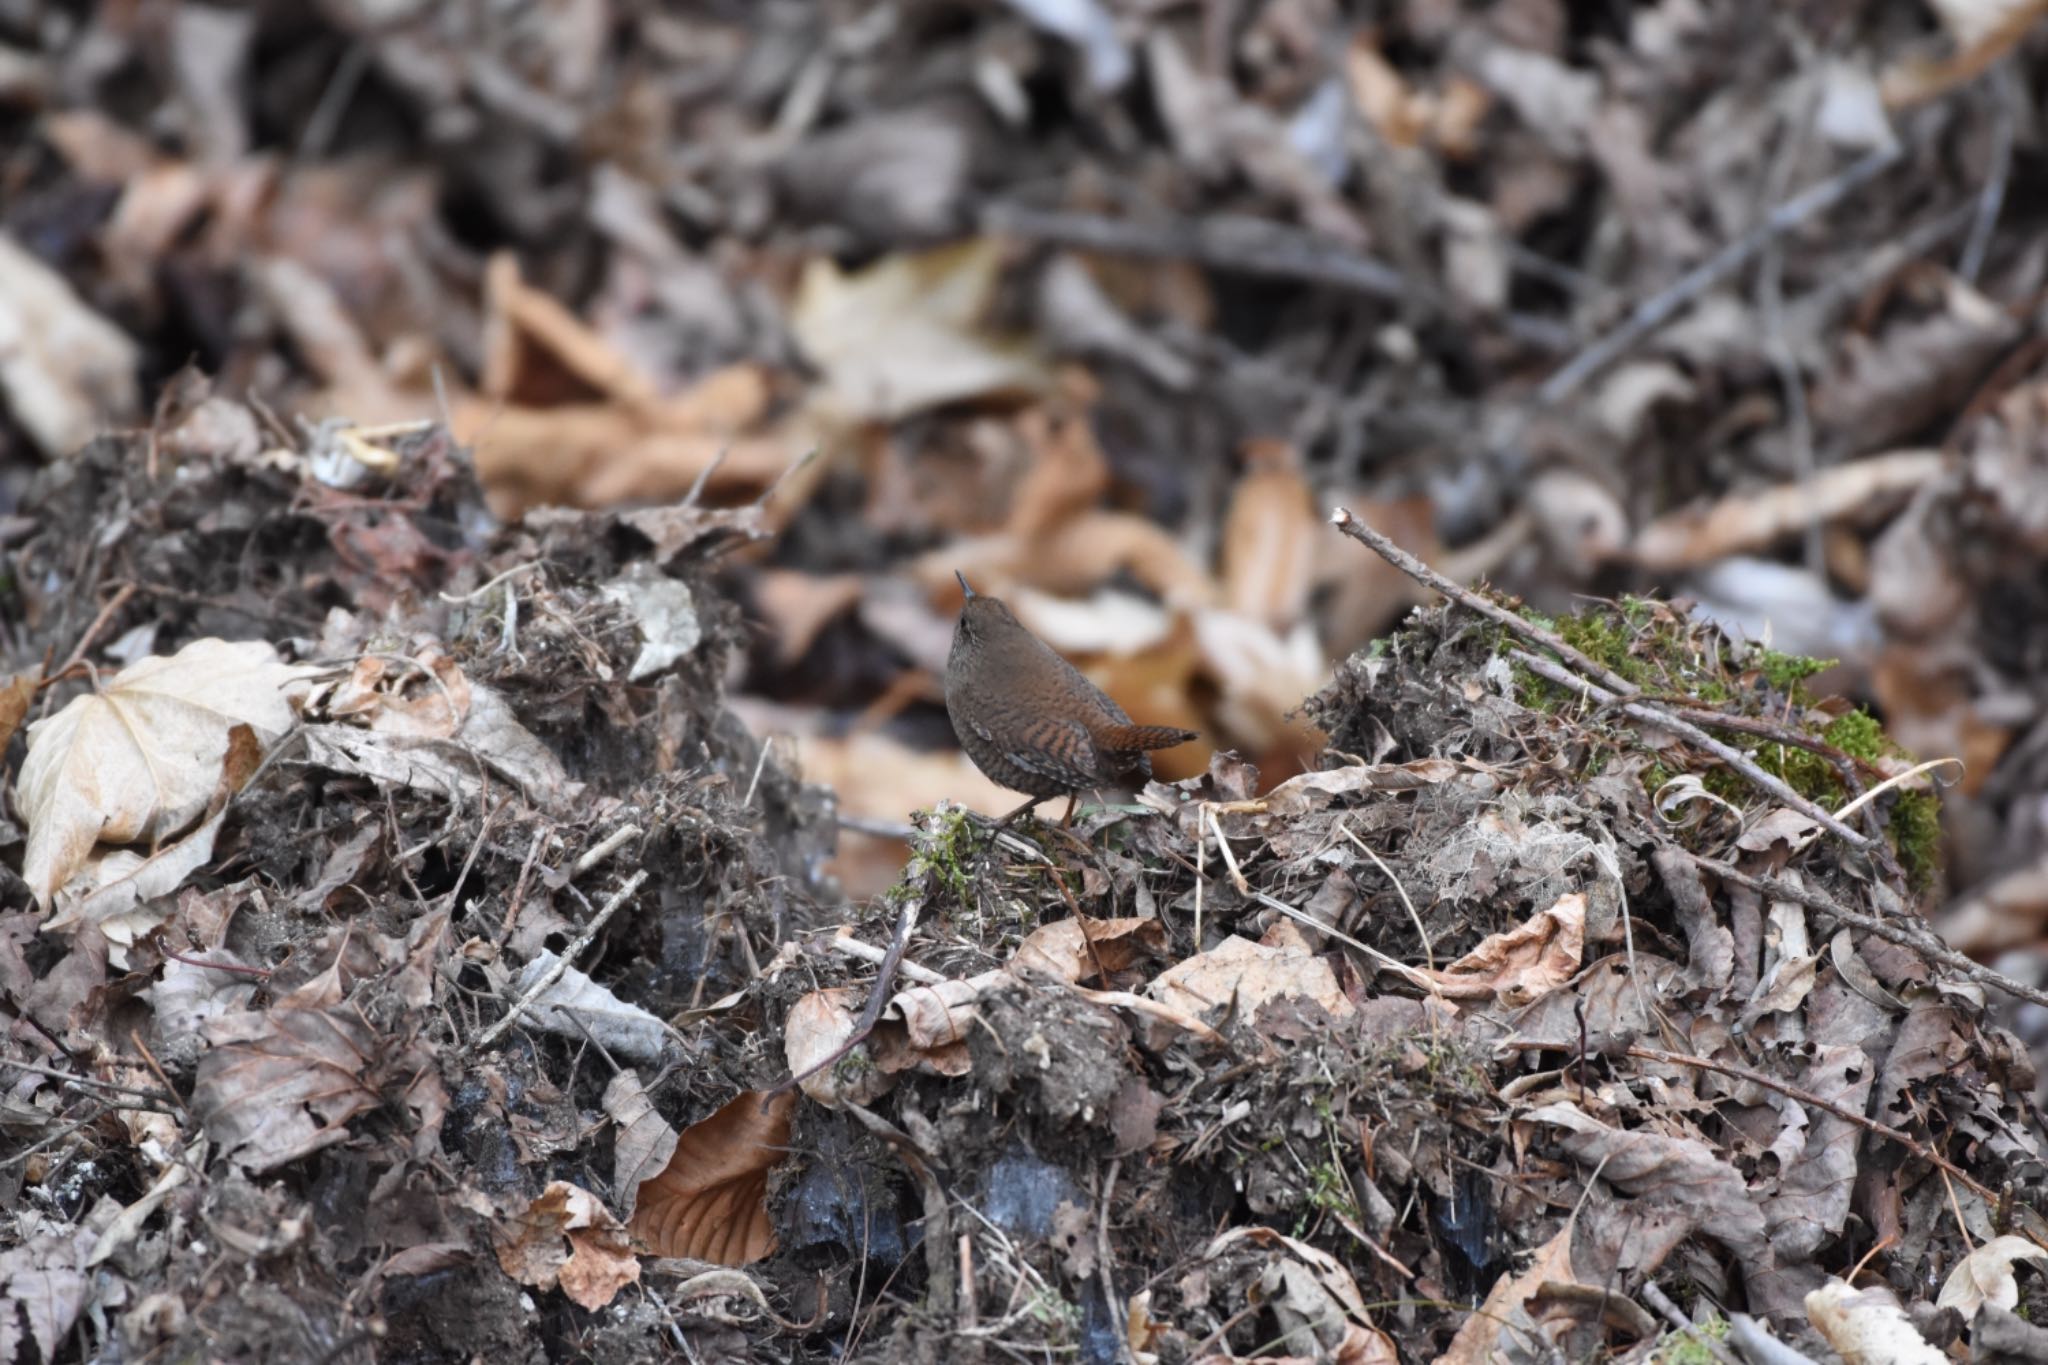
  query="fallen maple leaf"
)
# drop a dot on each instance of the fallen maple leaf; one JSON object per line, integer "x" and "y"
{"x": 905, "y": 334}
{"x": 142, "y": 758}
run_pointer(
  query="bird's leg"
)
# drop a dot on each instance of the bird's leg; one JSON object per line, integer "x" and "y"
{"x": 1004, "y": 823}
{"x": 1068, "y": 819}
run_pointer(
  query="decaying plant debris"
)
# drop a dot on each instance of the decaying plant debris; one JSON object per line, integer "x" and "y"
{"x": 1575, "y": 1002}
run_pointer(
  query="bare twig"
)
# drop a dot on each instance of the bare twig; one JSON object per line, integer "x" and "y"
{"x": 1250, "y": 246}
{"x": 157, "y": 1096}
{"x": 1653, "y": 312}
{"x": 1907, "y": 933}
{"x": 871, "y": 1013}
{"x": 845, "y": 942}
{"x": 1675, "y": 1315}
{"x": 609, "y": 845}
{"x": 561, "y": 964}
{"x": 2004, "y": 92}
{"x": 878, "y": 828}
{"x": 1728, "y": 754}
{"x": 92, "y": 630}
{"x": 1254, "y": 246}
{"x": 1617, "y": 689}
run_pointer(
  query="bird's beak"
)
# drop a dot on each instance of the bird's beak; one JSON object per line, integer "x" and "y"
{"x": 963, "y": 582}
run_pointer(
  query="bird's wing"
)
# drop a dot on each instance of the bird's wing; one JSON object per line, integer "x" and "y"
{"x": 1062, "y": 753}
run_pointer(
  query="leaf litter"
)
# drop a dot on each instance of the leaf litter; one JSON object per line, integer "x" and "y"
{"x": 1549, "y": 988}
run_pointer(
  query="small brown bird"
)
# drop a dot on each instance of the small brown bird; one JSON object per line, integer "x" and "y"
{"x": 1031, "y": 720}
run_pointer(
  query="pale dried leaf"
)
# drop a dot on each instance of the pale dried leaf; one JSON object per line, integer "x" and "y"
{"x": 144, "y": 757}
{"x": 1076, "y": 950}
{"x": 275, "y": 1085}
{"x": 576, "y": 1007}
{"x": 65, "y": 371}
{"x": 664, "y": 611}
{"x": 1521, "y": 964}
{"x": 644, "y": 1143}
{"x": 813, "y": 1030}
{"x": 800, "y": 605}
{"x": 710, "y": 1204}
{"x": 1868, "y": 1327}
{"x": 1306, "y": 793}
{"x": 1110, "y": 622}
{"x": 1240, "y": 976}
{"x": 1679, "y": 1180}
{"x": 1987, "y": 1275}
{"x": 44, "y": 1280}
{"x": 904, "y": 335}
{"x": 1743, "y": 523}
{"x": 1505, "y": 1303}
{"x": 1271, "y": 533}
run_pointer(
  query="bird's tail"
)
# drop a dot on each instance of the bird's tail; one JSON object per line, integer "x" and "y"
{"x": 1132, "y": 739}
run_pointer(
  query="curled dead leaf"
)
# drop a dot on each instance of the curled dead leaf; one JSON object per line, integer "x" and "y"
{"x": 598, "y": 1260}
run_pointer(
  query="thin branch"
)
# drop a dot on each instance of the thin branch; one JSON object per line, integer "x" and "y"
{"x": 871, "y": 1013}
{"x": 1907, "y": 933}
{"x": 1617, "y": 689}
{"x": 1733, "y": 757}
{"x": 561, "y": 963}
{"x": 1653, "y": 312}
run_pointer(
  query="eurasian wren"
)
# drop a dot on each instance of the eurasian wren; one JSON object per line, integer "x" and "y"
{"x": 1031, "y": 720}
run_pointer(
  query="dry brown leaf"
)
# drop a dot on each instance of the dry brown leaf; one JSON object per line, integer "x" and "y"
{"x": 816, "y": 1026}
{"x": 1749, "y": 522}
{"x": 1306, "y": 793}
{"x": 331, "y": 344}
{"x": 15, "y": 696}
{"x": 1240, "y": 975}
{"x": 2007, "y": 911}
{"x": 595, "y": 455}
{"x": 427, "y": 696}
{"x": 938, "y": 1016}
{"x": 1270, "y": 536}
{"x": 1505, "y": 1302}
{"x": 275, "y": 1085}
{"x": 1262, "y": 676}
{"x": 1524, "y": 963}
{"x": 881, "y": 777}
{"x": 527, "y": 332}
{"x": 1068, "y": 473}
{"x": 598, "y": 1261}
{"x": 1076, "y": 950}
{"x": 1314, "y": 1297}
{"x": 1383, "y": 96}
{"x": 800, "y": 605}
{"x": 1982, "y": 31}
{"x": 1366, "y": 593}
{"x": 710, "y": 1204}
{"x": 905, "y": 334}
{"x": 114, "y": 882}
{"x": 142, "y": 758}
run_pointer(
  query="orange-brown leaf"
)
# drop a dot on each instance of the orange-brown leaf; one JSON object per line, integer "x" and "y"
{"x": 710, "y": 1204}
